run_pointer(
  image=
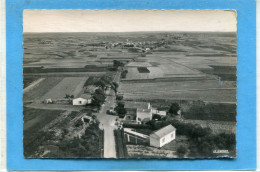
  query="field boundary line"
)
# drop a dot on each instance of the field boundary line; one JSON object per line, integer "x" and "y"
{"x": 33, "y": 84}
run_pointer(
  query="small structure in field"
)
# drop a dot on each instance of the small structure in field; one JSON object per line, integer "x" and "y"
{"x": 87, "y": 119}
{"x": 84, "y": 99}
{"x": 162, "y": 136}
{"x": 48, "y": 101}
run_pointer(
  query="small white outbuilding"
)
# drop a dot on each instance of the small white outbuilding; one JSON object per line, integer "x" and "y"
{"x": 84, "y": 99}
{"x": 162, "y": 136}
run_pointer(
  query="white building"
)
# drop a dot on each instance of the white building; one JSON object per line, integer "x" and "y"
{"x": 159, "y": 112}
{"x": 144, "y": 115}
{"x": 162, "y": 136}
{"x": 82, "y": 100}
{"x": 142, "y": 111}
{"x": 48, "y": 101}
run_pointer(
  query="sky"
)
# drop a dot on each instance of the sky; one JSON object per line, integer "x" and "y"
{"x": 128, "y": 20}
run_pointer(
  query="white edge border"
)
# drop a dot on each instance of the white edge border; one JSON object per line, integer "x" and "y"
{"x": 3, "y": 86}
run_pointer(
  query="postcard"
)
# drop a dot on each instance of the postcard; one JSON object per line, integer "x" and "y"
{"x": 129, "y": 83}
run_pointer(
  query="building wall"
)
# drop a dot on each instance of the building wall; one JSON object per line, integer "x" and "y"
{"x": 159, "y": 142}
{"x": 144, "y": 115}
{"x": 167, "y": 139}
{"x": 89, "y": 101}
{"x": 154, "y": 141}
{"x": 79, "y": 101}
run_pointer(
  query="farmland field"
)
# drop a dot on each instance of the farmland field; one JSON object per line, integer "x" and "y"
{"x": 216, "y": 126}
{"x": 69, "y": 85}
{"x": 207, "y": 90}
{"x": 190, "y": 76}
{"x": 28, "y": 80}
{"x": 37, "y": 92}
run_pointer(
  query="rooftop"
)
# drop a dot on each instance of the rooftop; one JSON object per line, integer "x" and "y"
{"x": 136, "y": 105}
{"x": 132, "y": 131}
{"x": 144, "y": 110}
{"x": 163, "y": 131}
{"x": 85, "y": 96}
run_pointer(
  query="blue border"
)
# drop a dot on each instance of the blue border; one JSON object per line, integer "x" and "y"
{"x": 246, "y": 92}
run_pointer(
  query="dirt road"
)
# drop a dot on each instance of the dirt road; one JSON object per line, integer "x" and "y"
{"x": 32, "y": 85}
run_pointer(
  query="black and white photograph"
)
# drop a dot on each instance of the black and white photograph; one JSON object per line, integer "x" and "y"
{"x": 129, "y": 84}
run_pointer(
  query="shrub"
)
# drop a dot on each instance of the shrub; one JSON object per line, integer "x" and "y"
{"x": 143, "y": 70}
{"x": 78, "y": 123}
{"x": 175, "y": 107}
{"x": 181, "y": 151}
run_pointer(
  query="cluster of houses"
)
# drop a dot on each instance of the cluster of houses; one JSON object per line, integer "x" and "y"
{"x": 140, "y": 112}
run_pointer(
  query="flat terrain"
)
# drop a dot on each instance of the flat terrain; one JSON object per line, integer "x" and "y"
{"x": 207, "y": 90}
{"x": 159, "y": 67}
{"x": 68, "y": 85}
{"x": 42, "y": 88}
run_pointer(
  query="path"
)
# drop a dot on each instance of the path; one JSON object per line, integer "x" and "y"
{"x": 32, "y": 85}
{"x": 55, "y": 106}
{"x": 107, "y": 122}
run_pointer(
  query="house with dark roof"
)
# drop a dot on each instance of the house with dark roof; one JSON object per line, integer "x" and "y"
{"x": 162, "y": 136}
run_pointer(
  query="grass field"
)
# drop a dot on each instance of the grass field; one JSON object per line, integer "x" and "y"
{"x": 139, "y": 64}
{"x": 210, "y": 90}
{"x": 216, "y": 126}
{"x": 28, "y": 80}
{"x": 34, "y": 121}
{"x": 52, "y": 134}
{"x": 140, "y": 151}
{"x": 37, "y": 92}
{"x": 69, "y": 85}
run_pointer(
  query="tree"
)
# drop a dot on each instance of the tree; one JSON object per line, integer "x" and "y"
{"x": 67, "y": 96}
{"x": 119, "y": 97}
{"x": 120, "y": 109}
{"x": 106, "y": 79}
{"x": 99, "y": 91}
{"x": 123, "y": 74}
{"x": 100, "y": 83}
{"x": 114, "y": 86}
{"x": 181, "y": 151}
{"x": 174, "y": 108}
{"x": 99, "y": 97}
{"x": 117, "y": 64}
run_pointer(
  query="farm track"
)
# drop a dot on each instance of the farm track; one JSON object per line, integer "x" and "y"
{"x": 168, "y": 79}
{"x": 54, "y": 107}
{"x": 66, "y": 74}
{"x": 154, "y": 92}
{"x": 32, "y": 85}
